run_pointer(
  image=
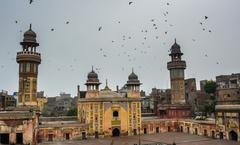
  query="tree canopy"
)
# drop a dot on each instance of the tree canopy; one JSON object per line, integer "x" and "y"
{"x": 210, "y": 87}
{"x": 72, "y": 112}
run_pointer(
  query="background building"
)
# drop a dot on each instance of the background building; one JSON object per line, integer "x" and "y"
{"x": 59, "y": 105}
{"x": 7, "y": 102}
{"x": 228, "y": 106}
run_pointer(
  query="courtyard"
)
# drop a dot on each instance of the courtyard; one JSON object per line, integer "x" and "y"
{"x": 169, "y": 137}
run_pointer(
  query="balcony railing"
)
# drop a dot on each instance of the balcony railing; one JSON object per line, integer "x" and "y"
{"x": 28, "y": 53}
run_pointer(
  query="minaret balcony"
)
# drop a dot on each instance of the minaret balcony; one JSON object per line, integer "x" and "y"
{"x": 176, "y": 65}
{"x": 28, "y": 56}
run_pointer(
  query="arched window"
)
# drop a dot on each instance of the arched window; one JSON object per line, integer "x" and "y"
{"x": 115, "y": 113}
{"x": 28, "y": 67}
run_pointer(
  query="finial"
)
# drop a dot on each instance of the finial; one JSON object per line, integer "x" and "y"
{"x": 30, "y": 27}
{"x": 132, "y": 70}
{"x": 175, "y": 40}
{"x": 106, "y": 82}
{"x": 92, "y": 68}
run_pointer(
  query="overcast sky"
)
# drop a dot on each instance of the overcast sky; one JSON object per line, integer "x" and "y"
{"x": 71, "y": 49}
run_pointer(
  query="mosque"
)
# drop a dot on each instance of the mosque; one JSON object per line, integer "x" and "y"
{"x": 100, "y": 112}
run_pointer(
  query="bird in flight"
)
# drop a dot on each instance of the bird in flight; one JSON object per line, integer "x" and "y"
{"x": 206, "y": 17}
{"x": 67, "y": 22}
{"x": 52, "y": 29}
{"x": 100, "y": 28}
{"x": 16, "y": 21}
{"x": 30, "y": 1}
{"x": 130, "y": 3}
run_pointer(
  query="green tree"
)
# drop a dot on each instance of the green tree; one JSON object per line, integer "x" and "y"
{"x": 210, "y": 88}
{"x": 72, "y": 112}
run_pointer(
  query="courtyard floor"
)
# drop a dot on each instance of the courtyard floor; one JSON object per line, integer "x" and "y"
{"x": 170, "y": 137}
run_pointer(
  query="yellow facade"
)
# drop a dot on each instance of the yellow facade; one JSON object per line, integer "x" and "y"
{"x": 41, "y": 102}
{"x": 111, "y": 113}
{"x": 99, "y": 114}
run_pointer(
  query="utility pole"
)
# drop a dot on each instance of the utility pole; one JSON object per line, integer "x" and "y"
{"x": 139, "y": 136}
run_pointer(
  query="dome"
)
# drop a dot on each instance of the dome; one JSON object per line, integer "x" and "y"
{"x": 29, "y": 35}
{"x": 92, "y": 75}
{"x": 175, "y": 48}
{"x": 132, "y": 76}
{"x": 133, "y": 79}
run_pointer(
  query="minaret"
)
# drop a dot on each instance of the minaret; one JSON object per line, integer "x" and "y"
{"x": 133, "y": 85}
{"x": 176, "y": 67}
{"x": 28, "y": 60}
{"x": 92, "y": 84}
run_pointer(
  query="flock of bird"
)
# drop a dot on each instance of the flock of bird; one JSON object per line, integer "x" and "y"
{"x": 131, "y": 57}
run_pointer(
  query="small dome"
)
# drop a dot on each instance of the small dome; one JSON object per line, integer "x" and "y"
{"x": 133, "y": 79}
{"x": 132, "y": 76}
{"x": 175, "y": 48}
{"x": 92, "y": 75}
{"x": 30, "y": 35}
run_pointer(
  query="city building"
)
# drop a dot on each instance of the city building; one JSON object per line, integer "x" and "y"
{"x": 228, "y": 106}
{"x": 59, "y": 105}
{"x": 7, "y": 102}
{"x": 145, "y": 103}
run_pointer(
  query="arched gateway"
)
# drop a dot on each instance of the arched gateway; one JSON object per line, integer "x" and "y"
{"x": 115, "y": 132}
{"x": 233, "y": 135}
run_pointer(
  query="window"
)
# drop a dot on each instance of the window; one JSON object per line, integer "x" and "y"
{"x": 21, "y": 67}
{"x": 115, "y": 113}
{"x": 34, "y": 68}
{"x": 27, "y": 98}
{"x": 28, "y": 67}
{"x": 145, "y": 130}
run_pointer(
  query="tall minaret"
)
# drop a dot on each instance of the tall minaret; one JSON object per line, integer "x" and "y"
{"x": 176, "y": 67}
{"x": 28, "y": 60}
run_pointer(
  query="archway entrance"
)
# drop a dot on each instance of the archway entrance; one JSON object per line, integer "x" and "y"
{"x": 221, "y": 135}
{"x": 115, "y": 132}
{"x": 4, "y": 138}
{"x": 233, "y": 135}
{"x": 19, "y": 138}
